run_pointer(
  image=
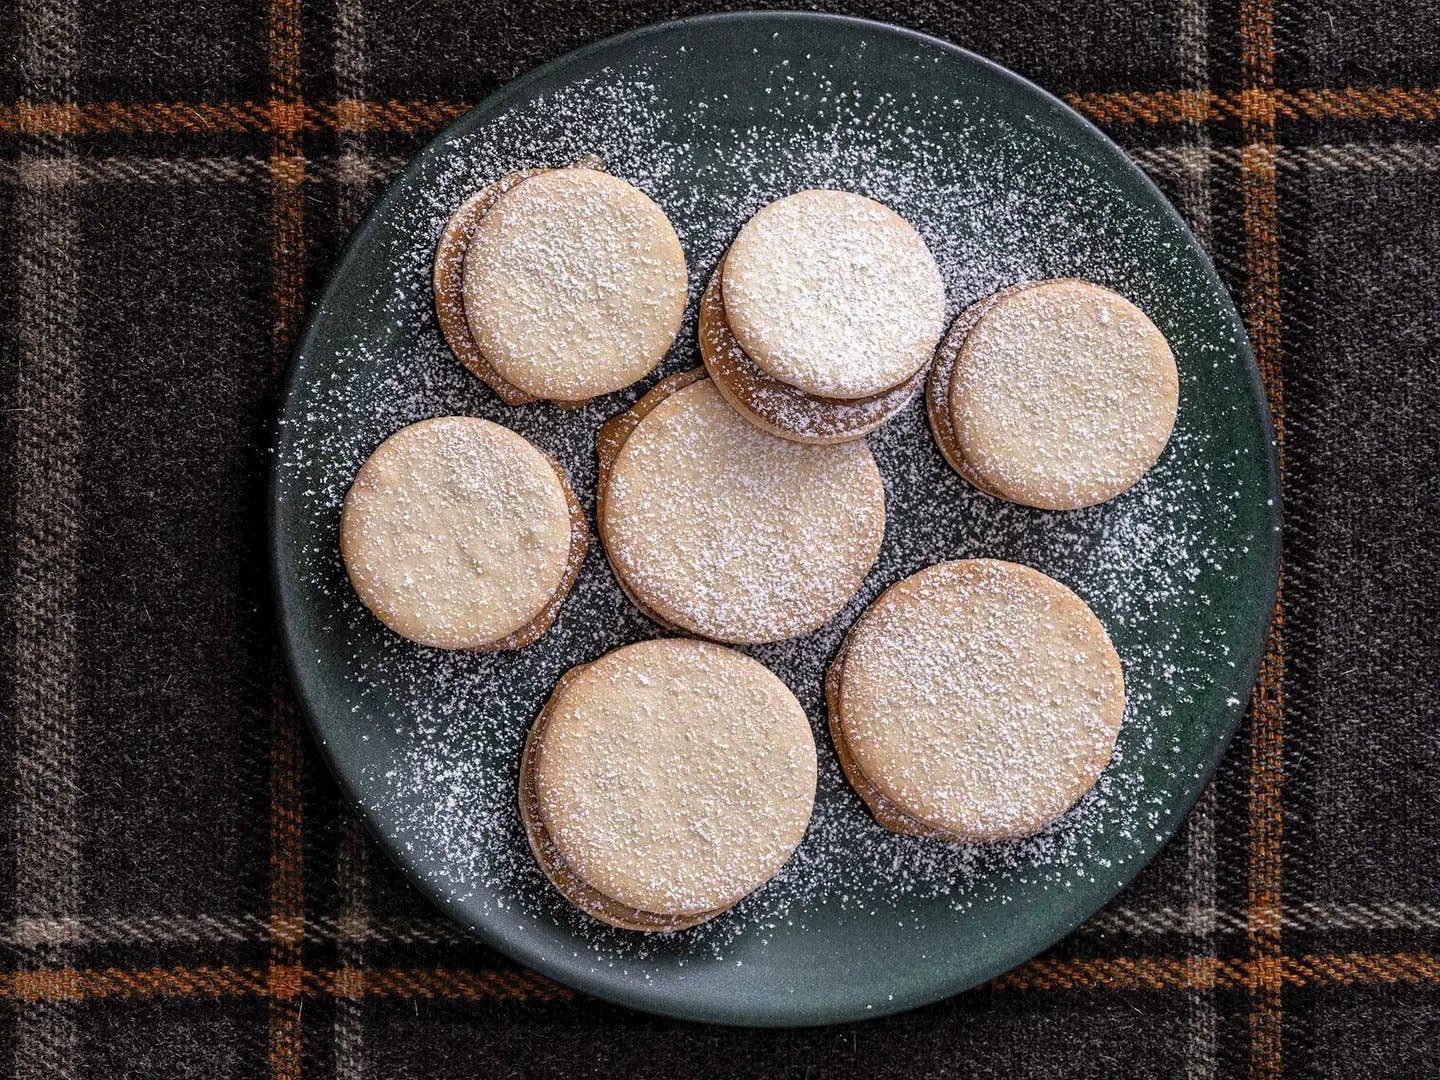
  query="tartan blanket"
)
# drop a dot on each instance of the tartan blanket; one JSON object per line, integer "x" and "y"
{"x": 183, "y": 893}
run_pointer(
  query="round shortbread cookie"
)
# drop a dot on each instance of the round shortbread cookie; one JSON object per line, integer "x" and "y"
{"x": 459, "y": 534}
{"x": 976, "y": 700}
{"x": 779, "y": 408}
{"x": 726, "y": 532}
{"x": 1061, "y": 394}
{"x": 835, "y": 294}
{"x": 666, "y": 781}
{"x": 574, "y": 284}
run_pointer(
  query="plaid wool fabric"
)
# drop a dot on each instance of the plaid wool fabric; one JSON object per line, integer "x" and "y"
{"x": 183, "y": 893}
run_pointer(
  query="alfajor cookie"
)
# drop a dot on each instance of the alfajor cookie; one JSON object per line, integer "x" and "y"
{"x": 459, "y": 534}
{"x": 976, "y": 700}
{"x": 776, "y": 407}
{"x": 716, "y": 528}
{"x": 1055, "y": 394}
{"x": 831, "y": 300}
{"x": 559, "y": 284}
{"x": 666, "y": 781}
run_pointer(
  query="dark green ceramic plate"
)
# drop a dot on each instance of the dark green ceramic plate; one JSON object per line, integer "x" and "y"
{"x": 715, "y": 117}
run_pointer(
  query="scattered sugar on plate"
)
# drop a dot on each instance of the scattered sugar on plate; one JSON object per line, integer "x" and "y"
{"x": 453, "y": 723}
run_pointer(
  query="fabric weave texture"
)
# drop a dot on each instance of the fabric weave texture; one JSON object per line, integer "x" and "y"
{"x": 183, "y": 892}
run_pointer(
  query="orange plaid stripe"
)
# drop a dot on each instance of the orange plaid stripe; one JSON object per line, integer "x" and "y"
{"x": 182, "y": 118}
{"x": 1267, "y": 731}
{"x": 1406, "y": 104}
{"x": 1409, "y": 104}
{"x": 293, "y": 983}
{"x": 285, "y": 974}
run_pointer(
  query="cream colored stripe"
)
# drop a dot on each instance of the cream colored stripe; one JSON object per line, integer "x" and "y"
{"x": 1297, "y": 916}
{"x": 362, "y": 170}
{"x": 1380, "y": 158}
{"x": 47, "y": 511}
{"x": 353, "y": 870}
{"x": 1201, "y": 918}
{"x": 161, "y": 930}
{"x": 356, "y": 174}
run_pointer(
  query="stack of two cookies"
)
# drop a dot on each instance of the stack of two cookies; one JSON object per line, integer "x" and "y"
{"x": 740, "y": 502}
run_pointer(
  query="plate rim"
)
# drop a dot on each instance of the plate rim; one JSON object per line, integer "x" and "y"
{"x": 824, "y": 1013}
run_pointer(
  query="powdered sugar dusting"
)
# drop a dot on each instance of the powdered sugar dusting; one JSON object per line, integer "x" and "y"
{"x": 833, "y": 293}
{"x": 675, "y": 776}
{"x": 777, "y": 407}
{"x": 574, "y": 284}
{"x": 735, "y": 534}
{"x": 456, "y": 533}
{"x": 996, "y": 203}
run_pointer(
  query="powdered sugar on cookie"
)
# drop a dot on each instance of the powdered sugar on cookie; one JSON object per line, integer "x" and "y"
{"x": 574, "y": 284}
{"x": 1061, "y": 395}
{"x": 675, "y": 776}
{"x": 834, "y": 293}
{"x": 737, "y": 535}
{"x": 981, "y": 697}
{"x": 456, "y": 532}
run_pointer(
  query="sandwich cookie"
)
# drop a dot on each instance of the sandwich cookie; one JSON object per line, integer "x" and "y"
{"x": 977, "y": 700}
{"x": 559, "y": 284}
{"x": 718, "y": 529}
{"x": 1054, "y": 394}
{"x": 459, "y": 534}
{"x": 776, "y": 407}
{"x": 666, "y": 781}
{"x": 834, "y": 296}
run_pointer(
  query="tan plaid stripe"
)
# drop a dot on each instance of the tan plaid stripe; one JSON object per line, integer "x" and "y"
{"x": 357, "y": 171}
{"x": 353, "y": 858}
{"x": 1193, "y": 191}
{"x": 285, "y": 972}
{"x": 47, "y": 495}
{"x": 175, "y": 929}
{"x": 1300, "y": 917}
{"x": 449, "y": 984}
{"x": 1322, "y": 157}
